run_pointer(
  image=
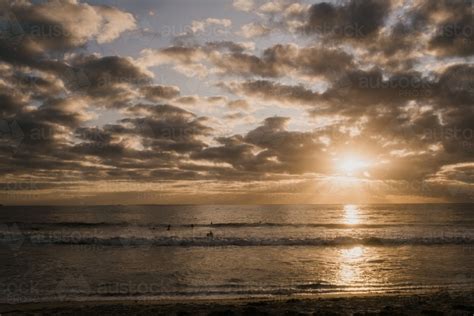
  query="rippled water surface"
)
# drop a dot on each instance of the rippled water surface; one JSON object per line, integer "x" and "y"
{"x": 144, "y": 252}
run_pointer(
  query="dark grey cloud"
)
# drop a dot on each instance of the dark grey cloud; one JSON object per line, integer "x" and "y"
{"x": 159, "y": 92}
{"x": 280, "y": 59}
{"x": 272, "y": 91}
{"x": 269, "y": 148}
{"x": 354, "y": 20}
{"x": 454, "y": 33}
{"x": 276, "y": 61}
{"x": 230, "y": 46}
{"x": 110, "y": 80}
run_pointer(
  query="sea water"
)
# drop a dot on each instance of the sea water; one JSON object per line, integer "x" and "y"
{"x": 232, "y": 251}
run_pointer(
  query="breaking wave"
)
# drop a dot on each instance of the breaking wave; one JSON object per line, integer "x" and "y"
{"x": 229, "y": 241}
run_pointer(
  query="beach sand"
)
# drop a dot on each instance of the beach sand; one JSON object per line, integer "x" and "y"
{"x": 438, "y": 303}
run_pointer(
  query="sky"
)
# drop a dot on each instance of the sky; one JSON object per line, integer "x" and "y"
{"x": 236, "y": 101}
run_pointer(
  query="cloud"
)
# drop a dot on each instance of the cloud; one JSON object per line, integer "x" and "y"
{"x": 231, "y": 59}
{"x": 160, "y": 92}
{"x": 187, "y": 60}
{"x": 397, "y": 92}
{"x": 114, "y": 23}
{"x": 243, "y": 5}
{"x": 179, "y": 54}
{"x": 452, "y": 24}
{"x": 229, "y": 46}
{"x": 201, "y": 25}
{"x": 265, "y": 90}
{"x": 269, "y": 148}
{"x": 356, "y": 19}
{"x": 280, "y": 60}
{"x": 457, "y": 178}
{"x": 252, "y": 30}
{"x": 65, "y": 24}
{"x": 238, "y": 104}
{"x": 110, "y": 81}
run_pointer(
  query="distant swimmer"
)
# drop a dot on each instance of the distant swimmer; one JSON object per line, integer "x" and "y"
{"x": 210, "y": 234}
{"x": 169, "y": 227}
{"x": 192, "y": 225}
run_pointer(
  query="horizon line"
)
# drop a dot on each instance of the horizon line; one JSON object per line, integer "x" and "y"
{"x": 236, "y": 204}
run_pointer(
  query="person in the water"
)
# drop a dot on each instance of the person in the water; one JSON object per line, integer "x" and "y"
{"x": 210, "y": 234}
{"x": 169, "y": 227}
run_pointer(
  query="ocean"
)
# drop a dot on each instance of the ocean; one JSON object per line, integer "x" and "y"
{"x": 78, "y": 253}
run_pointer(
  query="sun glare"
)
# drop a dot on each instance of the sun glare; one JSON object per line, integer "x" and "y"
{"x": 351, "y": 164}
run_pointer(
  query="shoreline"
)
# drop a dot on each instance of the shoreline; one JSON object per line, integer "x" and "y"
{"x": 433, "y": 303}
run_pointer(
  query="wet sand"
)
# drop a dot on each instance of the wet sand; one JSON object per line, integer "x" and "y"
{"x": 438, "y": 303}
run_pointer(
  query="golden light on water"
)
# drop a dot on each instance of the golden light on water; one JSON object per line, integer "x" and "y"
{"x": 353, "y": 253}
{"x": 351, "y": 214}
{"x": 350, "y": 264}
{"x": 350, "y": 257}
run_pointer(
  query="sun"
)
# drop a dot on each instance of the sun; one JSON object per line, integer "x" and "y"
{"x": 351, "y": 164}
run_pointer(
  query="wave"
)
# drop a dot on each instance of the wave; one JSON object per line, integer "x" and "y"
{"x": 230, "y": 291}
{"x": 153, "y": 226}
{"x": 233, "y": 241}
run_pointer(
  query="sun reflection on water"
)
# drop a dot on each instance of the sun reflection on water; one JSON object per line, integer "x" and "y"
{"x": 353, "y": 253}
{"x": 351, "y": 214}
{"x": 350, "y": 260}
